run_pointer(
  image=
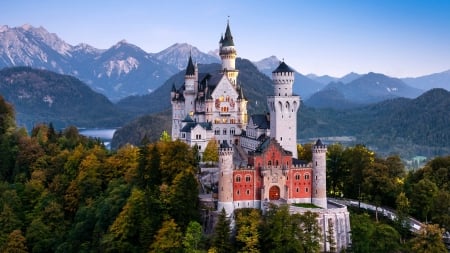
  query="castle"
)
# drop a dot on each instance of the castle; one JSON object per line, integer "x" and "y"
{"x": 258, "y": 154}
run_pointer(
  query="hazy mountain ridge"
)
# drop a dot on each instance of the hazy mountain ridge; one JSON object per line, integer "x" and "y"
{"x": 44, "y": 96}
{"x": 367, "y": 89}
{"x": 178, "y": 54}
{"x": 437, "y": 80}
{"x": 303, "y": 86}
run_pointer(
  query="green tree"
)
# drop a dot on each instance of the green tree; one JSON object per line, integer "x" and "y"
{"x": 168, "y": 239}
{"x": 192, "y": 238}
{"x": 311, "y": 235}
{"x": 222, "y": 235}
{"x": 304, "y": 152}
{"x": 428, "y": 240}
{"x": 281, "y": 231}
{"x": 247, "y": 230}
{"x": 335, "y": 170}
{"x": 183, "y": 199}
{"x": 362, "y": 229}
{"x": 401, "y": 220}
{"x": 422, "y": 197}
{"x": 385, "y": 239}
{"x": 165, "y": 136}
{"x": 211, "y": 152}
{"x": 357, "y": 159}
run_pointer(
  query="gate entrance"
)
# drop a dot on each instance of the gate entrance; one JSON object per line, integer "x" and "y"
{"x": 274, "y": 193}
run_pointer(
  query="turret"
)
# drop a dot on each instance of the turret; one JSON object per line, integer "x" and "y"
{"x": 283, "y": 106}
{"x": 190, "y": 89}
{"x": 319, "y": 181}
{"x": 227, "y": 52}
{"x": 283, "y": 78}
{"x": 225, "y": 179}
{"x": 189, "y": 77}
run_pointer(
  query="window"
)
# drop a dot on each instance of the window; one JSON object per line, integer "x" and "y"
{"x": 269, "y": 163}
{"x": 297, "y": 176}
{"x": 248, "y": 178}
{"x": 238, "y": 179}
{"x": 306, "y": 189}
{"x": 248, "y": 192}
{"x": 198, "y": 136}
{"x": 297, "y": 190}
{"x": 217, "y": 131}
{"x": 232, "y": 131}
{"x": 238, "y": 192}
{"x": 307, "y": 176}
{"x": 224, "y": 131}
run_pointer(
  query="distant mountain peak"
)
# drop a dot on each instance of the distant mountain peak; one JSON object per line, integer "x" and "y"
{"x": 178, "y": 55}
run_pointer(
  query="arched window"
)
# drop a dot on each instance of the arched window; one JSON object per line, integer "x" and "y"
{"x": 297, "y": 176}
{"x": 248, "y": 192}
{"x": 307, "y": 176}
{"x": 248, "y": 178}
{"x": 238, "y": 179}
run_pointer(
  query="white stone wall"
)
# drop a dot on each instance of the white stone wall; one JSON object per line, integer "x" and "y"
{"x": 283, "y": 121}
{"x": 319, "y": 180}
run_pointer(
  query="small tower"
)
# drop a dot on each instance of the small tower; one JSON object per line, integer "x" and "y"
{"x": 189, "y": 83}
{"x": 227, "y": 53}
{"x": 319, "y": 181}
{"x": 283, "y": 106}
{"x": 225, "y": 179}
{"x": 177, "y": 101}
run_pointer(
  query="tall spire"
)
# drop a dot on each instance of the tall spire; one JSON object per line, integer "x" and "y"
{"x": 190, "y": 70}
{"x": 228, "y": 39}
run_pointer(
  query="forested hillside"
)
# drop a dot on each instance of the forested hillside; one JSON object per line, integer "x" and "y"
{"x": 44, "y": 96}
{"x": 62, "y": 192}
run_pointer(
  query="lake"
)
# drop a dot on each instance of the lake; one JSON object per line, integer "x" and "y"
{"x": 104, "y": 134}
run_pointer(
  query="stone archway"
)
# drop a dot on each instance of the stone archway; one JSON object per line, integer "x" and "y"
{"x": 274, "y": 193}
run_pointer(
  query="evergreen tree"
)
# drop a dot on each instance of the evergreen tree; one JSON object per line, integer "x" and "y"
{"x": 168, "y": 239}
{"x": 247, "y": 230}
{"x": 193, "y": 237}
{"x": 211, "y": 152}
{"x": 222, "y": 235}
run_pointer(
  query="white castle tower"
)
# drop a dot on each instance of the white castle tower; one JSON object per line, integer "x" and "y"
{"x": 319, "y": 181}
{"x": 228, "y": 55}
{"x": 225, "y": 194}
{"x": 283, "y": 106}
{"x": 190, "y": 87}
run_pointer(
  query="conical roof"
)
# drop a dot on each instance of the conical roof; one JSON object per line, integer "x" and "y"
{"x": 283, "y": 67}
{"x": 190, "y": 70}
{"x": 228, "y": 39}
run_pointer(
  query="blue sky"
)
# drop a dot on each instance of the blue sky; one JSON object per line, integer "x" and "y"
{"x": 403, "y": 38}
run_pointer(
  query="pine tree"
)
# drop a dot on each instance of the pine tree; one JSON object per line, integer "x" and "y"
{"x": 221, "y": 239}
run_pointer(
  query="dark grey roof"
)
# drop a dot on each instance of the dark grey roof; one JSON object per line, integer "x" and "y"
{"x": 283, "y": 67}
{"x": 190, "y": 70}
{"x": 189, "y": 126}
{"x": 188, "y": 119}
{"x": 319, "y": 143}
{"x": 241, "y": 92}
{"x": 295, "y": 161}
{"x": 224, "y": 145}
{"x": 260, "y": 121}
{"x": 228, "y": 39}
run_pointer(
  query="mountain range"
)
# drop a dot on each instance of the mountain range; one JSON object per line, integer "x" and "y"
{"x": 126, "y": 70}
{"x": 45, "y": 96}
